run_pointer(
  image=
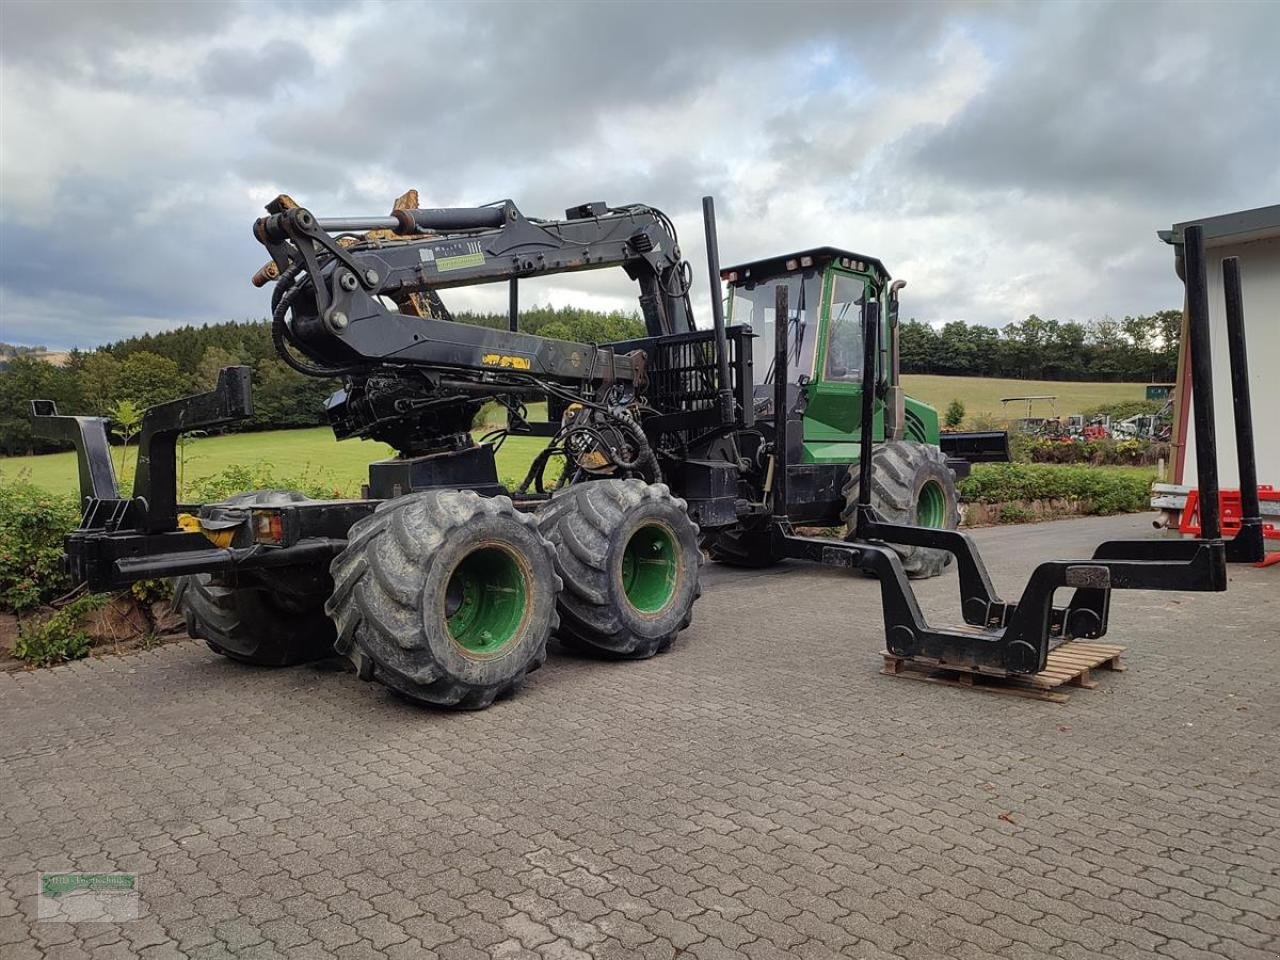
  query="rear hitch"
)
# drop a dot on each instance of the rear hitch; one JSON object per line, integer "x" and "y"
{"x": 114, "y": 528}
{"x": 1001, "y": 638}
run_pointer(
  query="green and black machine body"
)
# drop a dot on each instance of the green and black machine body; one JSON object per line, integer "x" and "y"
{"x": 444, "y": 582}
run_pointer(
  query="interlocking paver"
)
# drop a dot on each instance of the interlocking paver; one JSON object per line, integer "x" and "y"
{"x": 757, "y": 792}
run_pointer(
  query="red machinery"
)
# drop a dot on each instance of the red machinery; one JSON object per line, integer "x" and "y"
{"x": 1231, "y": 511}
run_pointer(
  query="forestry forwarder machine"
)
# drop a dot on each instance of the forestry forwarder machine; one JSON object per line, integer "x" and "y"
{"x": 445, "y": 586}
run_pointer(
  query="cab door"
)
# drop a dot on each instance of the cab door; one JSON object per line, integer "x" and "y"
{"x": 832, "y": 417}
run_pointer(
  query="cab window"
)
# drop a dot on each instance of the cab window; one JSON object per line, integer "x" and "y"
{"x": 844, "y": 334}
{"x": 754, "y": 305}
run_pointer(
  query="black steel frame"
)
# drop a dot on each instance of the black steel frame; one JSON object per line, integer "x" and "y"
{"x": 1015, "y": 638}
{"x": 124, "y": 539}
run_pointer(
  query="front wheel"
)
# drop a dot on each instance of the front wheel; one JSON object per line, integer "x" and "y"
{"x": 628, "y": 554}
{"x": 911, "y": 485}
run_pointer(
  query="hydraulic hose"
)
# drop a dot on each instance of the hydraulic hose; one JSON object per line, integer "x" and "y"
{"x": 281, "y": 302}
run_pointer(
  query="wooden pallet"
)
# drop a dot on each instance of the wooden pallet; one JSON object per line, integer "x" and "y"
{"x": 1067, "y": 665}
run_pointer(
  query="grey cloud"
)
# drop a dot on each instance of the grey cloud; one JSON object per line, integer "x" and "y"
{"x": 255, "y": 74}
{"x": 76, "y": 38}
{"x": 1126, "y": 100}
{"x": 1097, "y": 124}
{"x": 526, "y": 79}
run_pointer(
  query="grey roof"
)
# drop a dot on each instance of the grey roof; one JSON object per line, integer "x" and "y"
{"x": 1261, "y": 223}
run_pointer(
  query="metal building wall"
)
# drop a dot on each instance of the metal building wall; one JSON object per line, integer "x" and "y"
{"x": 1260, "y": 278}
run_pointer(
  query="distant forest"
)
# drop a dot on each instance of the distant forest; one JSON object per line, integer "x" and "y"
{"x": 1141, "y": 349}
{"x": 152, "y": 368}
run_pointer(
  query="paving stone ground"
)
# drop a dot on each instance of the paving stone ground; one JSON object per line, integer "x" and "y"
{"x": 758, "y": 792}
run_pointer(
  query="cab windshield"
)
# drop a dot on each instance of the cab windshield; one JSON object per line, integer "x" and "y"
{"x": 754, "y": 305}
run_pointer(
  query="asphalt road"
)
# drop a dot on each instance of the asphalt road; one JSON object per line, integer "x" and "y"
{"x": 759, "y": 791}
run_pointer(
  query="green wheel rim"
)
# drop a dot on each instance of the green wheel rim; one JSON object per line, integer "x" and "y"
{"x": 649, "y": 568}
{"x": 486, "y": 600}
{"x": 931, "y": 505}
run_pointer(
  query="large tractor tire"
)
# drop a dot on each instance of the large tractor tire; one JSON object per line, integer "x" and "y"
{"x": 911, "y": 484}
{"x": 740, "y": 546}
{"x": 446, "y": 597}
{"x": 278, "y": 621}
{"x": 628, "y": 554}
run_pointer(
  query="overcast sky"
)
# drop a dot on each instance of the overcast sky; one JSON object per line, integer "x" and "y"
{"x": 1003, "y": 159}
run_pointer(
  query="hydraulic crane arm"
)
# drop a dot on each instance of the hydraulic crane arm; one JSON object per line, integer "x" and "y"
{"x": 334, "y": 288}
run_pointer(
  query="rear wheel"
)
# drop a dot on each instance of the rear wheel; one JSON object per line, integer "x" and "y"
{"x": 911, "y": 484}
{"x": 446, "y": 597}
{"x": 258, "y": 625}
{"x": 275, "y": 620}
{"x": 628, "y": 554}
{"x": 740, "y": 546}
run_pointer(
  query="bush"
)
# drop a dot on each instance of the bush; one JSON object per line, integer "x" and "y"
{"x": 1130, "y": 452}
{"x": 60, "y": 636}
{"x": 1102, "y": 491}
{"x": 33, "y": 523}
{"x": 239, "y": 478}
{"x": 954, "y": 416}
{"x": 987, "y": 421}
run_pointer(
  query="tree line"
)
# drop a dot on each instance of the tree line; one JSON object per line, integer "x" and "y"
{"x": 1140, "y": 349}
{"x": 155, "y": 367}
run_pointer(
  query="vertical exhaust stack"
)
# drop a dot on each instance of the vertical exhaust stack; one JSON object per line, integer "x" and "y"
{"x": 895, "y": 400}
{"x": 727, "y": 413}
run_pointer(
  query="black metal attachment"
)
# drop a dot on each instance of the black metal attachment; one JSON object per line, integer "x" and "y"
{"x": 1015, "y": 638}
{"x": 155, "y": 483}
{"x": 147, "y": 521}
{"x": 1202, "y": 381}
{"x": 781, "y": 321}
{"x": 1247, "y": 546}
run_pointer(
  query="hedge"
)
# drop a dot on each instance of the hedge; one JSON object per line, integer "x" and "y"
{"x": 1102, "y": 491}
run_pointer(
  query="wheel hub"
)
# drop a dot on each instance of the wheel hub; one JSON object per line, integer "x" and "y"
{"x": 486, "y": 600}
{"x": 650, "y": 568}
{"x": 931, "y": 505}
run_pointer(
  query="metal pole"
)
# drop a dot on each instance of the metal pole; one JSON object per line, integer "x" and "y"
{"x": 1202, "y": 382}
{"x": 780, "y": 352}
{"x": 717, "y": 311}
{"x": 356, "y": 224}
{"x": 870, "y": 336}
{"x": 1250, "y": 508}
{"x": 513, "y": 304}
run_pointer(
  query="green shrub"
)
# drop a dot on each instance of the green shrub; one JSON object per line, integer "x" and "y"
{"x": 33, "y": 523}
{"x": 151, "y": 591}
{"x": 60, "y": 636}
{"x": 238, "y": 478}
{"x": 988, "y": 421}
{"x": 954, "y": 417}
{"x": 1129, "y": 452}
{"x": 1102, "y": 491}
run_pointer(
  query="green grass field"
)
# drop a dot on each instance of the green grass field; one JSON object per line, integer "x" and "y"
{"x": 314, "y": 453}
{"x": 981, "y": 396}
